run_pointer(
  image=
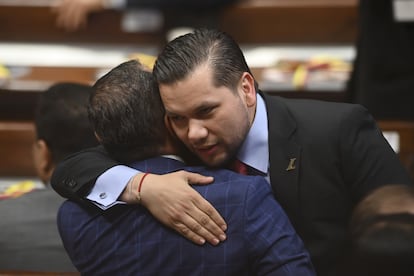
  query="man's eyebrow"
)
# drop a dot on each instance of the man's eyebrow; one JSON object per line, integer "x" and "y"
{"x": 198, "y": 108}
{"x": 204, "y": 105}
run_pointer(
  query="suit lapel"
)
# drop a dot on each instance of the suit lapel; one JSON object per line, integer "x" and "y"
{"x": 285, "y": 156}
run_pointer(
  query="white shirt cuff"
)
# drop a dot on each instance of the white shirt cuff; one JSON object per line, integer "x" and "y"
{"x": 109, "y": 186}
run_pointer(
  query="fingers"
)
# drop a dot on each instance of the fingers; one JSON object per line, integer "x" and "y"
{"x": 73, "y": 14}
{"x": 200, "y": 221}
{"x": 189, "y": 234}
{"x": 197, "y": 179}
{"x": 69, "y": 16}
{"x": 209, "y": 217}
{"x": 205, "y": 221}
{"x": 197, "y": 226}
{"x": 176, "y": 204}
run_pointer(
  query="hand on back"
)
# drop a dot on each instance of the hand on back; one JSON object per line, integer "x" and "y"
{"x": 172, "y": 200}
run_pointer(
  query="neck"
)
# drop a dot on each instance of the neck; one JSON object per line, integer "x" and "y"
{"x": 169, "y": 148}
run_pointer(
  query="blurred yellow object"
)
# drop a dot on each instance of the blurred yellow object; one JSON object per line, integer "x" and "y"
{"x": 4, "y": 72}
{"x": 300, "y": 76}
{"x": 144, "y": 59}
{"x": 329, "y": 62}
{"x": 18, "y": 189}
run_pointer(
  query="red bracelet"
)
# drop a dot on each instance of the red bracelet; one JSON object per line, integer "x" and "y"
{"x": 139, "y": 186}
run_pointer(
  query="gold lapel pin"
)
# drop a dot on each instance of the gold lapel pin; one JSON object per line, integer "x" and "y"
{"x": 291, "y": 165}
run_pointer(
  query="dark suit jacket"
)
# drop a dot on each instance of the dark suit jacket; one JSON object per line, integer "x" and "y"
{"x": 383, "y": 76}
{"x": 340, "y": 156}
{"x": 127, "y": 240}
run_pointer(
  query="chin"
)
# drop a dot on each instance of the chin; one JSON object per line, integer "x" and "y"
{"x": 216, "y": 162}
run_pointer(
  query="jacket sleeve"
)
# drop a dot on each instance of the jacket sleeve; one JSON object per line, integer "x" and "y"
{"x": 74, "y": 177}
{"x": 368, "y": 161}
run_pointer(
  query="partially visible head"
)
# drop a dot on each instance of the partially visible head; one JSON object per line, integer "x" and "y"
{"x": 389, "y": 199}
{"x": 62, "y": 126}
{"x": 208, "y": 92}
{"x": 382, "y": 232}
{"x": 384, "y": 245}
{"x": 127, "y": 113}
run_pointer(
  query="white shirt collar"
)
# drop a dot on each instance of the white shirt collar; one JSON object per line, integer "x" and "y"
{"x": 175, "y": 157}
{"x": 254, "y": 151}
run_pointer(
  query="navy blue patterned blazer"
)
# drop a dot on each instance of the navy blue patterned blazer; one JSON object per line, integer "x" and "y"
{"x": 127, "y": 240}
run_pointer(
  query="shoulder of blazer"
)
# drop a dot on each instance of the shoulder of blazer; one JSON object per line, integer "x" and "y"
{"x": 158, "y": 164}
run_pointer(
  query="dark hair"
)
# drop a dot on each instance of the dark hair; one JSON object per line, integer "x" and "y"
{"x": 127, "y": 114}
{"x": 384, "y": 245}
{"x": 381, "y": 233}
{"x": 184, "y": 54}
{"x": 61, "y": 119}
{"x": 386, "y": 198}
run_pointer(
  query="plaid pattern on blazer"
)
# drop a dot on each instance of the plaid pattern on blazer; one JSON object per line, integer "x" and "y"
{"x": 127, "y": 240}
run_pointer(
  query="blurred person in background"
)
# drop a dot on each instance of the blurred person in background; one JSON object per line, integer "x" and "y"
{"x": 382, "y": 233}
{"x": 29, "y": 237}
{"x": 73, "y": 14}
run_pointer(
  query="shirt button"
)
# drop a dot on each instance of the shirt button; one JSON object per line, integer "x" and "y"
{"x": 102, "y": 195}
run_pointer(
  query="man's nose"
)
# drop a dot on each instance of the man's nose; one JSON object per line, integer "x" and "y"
{"x": 196, "y": 131}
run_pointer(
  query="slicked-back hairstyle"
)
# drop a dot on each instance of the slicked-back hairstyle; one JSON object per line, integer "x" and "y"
{"x": 61, "y": 119}
{"x": 127, "y": 113}
{"x": 183, "y": 55}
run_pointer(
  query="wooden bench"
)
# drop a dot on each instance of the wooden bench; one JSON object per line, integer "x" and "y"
{"x": 33, "y": 21}
{"x": 254, "y": 22}
{"x": 16, "y": 139}
{"x": 248, "y": 21}
{"x": 291, "y": 21}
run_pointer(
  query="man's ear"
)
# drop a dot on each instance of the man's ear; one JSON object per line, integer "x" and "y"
{"x": 248, "y": 88}
{"x": 42, "y": 158}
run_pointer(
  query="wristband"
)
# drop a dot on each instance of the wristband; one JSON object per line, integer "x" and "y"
{"x": 139, "y": 187}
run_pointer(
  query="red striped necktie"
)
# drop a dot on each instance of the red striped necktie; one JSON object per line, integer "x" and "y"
{"x": 239, "y": 167}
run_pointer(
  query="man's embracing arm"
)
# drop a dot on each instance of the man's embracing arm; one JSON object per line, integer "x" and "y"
{"x": 74, "y": 177}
